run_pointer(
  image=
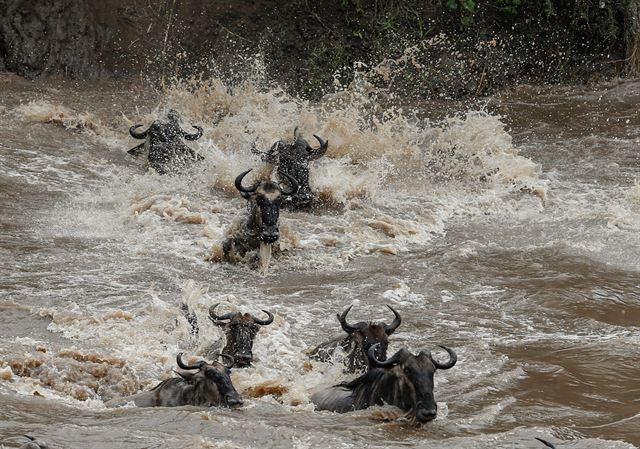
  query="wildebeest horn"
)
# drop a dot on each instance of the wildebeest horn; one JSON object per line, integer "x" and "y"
{"x": 264, "y": 322}
{"x": 228, "y": 357}
{"x": 293, "y": 185}
{"x": 196, "y": 365}
{"x": 378, "y": 363}
{"x": 323, "y": 143}
{"x": 546, "y": 443}
{"x": 348, "y": 328}
{"x": 239, "y": 183}
{"x": 295, "y": 133}
{"x": 213, "y": 317}
{"x": 137, "y": 135}
{"x": 453, "y": 358}
{"x": 389, "y": 328}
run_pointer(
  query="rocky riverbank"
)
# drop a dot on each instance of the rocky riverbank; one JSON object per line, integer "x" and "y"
{"x": 434, "y": 48}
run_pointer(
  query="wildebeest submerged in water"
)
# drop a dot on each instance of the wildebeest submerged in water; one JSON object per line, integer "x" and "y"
{"x": 293, "y": 159}
{"x": 546, "y": 443}
{"x": 360, "y": 337}
{"x": 240, "y": 330}
{"x": 33, "y": 443}
{"x": 167, "y": 153}
{"x": 257, "y": 227}
{"x": 209, "y": 386}
{"x": 405, "y": 380}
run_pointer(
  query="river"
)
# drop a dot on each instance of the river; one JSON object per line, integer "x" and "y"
{"x": 507, "y": 230}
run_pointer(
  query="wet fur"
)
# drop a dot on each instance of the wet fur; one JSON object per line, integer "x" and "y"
{"x": 355, "y": 345}
{"x": 204, "y": 388}
{"x": 408, "y": 385}
{"x": 166, "y": 152}
{"x": 244, "y": 233}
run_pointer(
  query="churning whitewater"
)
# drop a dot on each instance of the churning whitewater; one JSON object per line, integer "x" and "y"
{"x": 490, "y": 229}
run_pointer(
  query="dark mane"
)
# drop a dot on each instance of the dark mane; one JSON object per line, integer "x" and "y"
{"x": 173, "y": 380}
{"x": 372, "y": 375}
{"x": 380, "y": 386}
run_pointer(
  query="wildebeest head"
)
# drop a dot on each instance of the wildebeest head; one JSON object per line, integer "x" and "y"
{"x": 266, "y": 197}
{"x": 366, "y": 334}
{"x": 240, "y": 330}
{"x": 413, "y": 388}
{"x": 212, "y": 378}
{"x": 301, "y": 149}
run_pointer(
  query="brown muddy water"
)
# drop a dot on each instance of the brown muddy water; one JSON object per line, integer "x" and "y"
{"x": 509, "y": 232}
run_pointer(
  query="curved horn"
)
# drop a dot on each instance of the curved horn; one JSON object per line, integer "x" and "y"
{"x": 342, "y": 318}
{"x": 295, "y": 133}
{"x": 264, "y": 322}
{"x": 545, "y": 442}
{"x": 293, "y": 185}
{"x": 137, "y": 135}
{"x": 323, "y": 143}
{"x": 196, "y": 135}
{"x": 213, "y": 317}
{"x": 230, "y": 358}
{"x": 196, "y": 365}
{"x": 371, "y": 353}
{"x": 239, "y": 183}
{"x": 390, "y": 328}
{"x": 453, "y": 358}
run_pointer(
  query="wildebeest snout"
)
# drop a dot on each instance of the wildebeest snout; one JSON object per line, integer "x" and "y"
{"x": 234, "y": 401}
{"x": 270, "y": 234}
{"x": 426, "y": 412}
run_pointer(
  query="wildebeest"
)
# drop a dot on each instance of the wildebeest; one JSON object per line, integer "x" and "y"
{"x": 405, "y": 380}
{"x": 293, "y": 159}
{"x": 546, "y": 443}
{"x": 240, "y": 330}
{"x": 167, "y": 153}
{"x": 360, "y": 337}
{"x": 33, "y": 443}
{"x": 258, "y": 226}
{"x": 209, "y": 386}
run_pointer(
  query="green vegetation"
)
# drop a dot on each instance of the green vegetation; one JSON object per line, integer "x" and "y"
{"x": 326, "y": 61}
{"x": 487, "y": 44}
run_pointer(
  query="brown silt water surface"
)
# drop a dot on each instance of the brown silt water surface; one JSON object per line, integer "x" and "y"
{"x": 510, "y": 234}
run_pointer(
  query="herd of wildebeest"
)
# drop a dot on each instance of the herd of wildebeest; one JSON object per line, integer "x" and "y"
{"x": 404, "y": 380}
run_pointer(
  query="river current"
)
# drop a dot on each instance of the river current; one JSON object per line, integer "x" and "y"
{"x": 508, "y": 231}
